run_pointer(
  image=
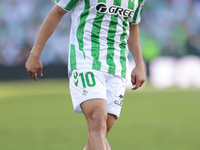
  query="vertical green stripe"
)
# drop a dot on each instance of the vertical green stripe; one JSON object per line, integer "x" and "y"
{"x": 95, "y": 44}
{"x": 111, "y": 40}
{"x": 136, "y": 13}
{"x": 72, "y": 57}
{"x": 81, "y": 27}
{"x": 140, "y": 1}
{"x": 110, "y": 43}
{"x": 131, "y": 6}
{"x": 71, "y": 4}
{"x": 123, "y": 49}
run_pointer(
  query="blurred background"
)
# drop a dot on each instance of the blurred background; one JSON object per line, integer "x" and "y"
{"x": 164, "y": 114}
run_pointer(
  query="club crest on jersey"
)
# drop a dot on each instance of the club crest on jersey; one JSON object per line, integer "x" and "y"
{"x": 84, "y": 92}
{"x": 113, "y": 9}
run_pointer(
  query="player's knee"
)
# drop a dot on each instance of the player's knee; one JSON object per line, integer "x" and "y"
{"x": 98, "y": 122}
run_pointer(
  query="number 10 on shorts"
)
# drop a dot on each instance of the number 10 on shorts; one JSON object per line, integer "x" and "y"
{"x": 87, "y": 79}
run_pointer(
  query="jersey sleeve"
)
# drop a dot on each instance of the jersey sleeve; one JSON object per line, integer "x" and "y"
{"x": 138, "y": 13}
{"x": 66, "y": 4}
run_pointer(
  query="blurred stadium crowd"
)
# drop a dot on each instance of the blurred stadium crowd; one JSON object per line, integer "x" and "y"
{"x": 168, "y": 28}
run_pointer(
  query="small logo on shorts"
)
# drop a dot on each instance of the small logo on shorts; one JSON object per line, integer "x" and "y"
{"x": 84, "y": 92}
{"x": 119, "y": 101}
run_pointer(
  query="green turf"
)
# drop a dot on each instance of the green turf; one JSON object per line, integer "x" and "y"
{"x": 39, "y": 116}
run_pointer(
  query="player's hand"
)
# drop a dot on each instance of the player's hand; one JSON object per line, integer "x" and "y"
{"x": 138, "y": 77}
{"x": 34, "y": 64}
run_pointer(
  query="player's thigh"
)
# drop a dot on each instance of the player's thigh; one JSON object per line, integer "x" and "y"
{"x": 95, "y": 111}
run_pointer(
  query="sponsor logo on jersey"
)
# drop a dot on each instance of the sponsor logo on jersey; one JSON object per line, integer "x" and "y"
{"x": 115, "y": 10}
{"x": 119, "y": 100}
{"x": 101, "y": 7}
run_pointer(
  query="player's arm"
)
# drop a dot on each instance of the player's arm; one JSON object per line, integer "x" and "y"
{"x": 138, "y": 75}
{"x": 47, "y": 28}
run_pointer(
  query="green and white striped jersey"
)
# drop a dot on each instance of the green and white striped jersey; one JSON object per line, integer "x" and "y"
{"x": 99, "y": 33}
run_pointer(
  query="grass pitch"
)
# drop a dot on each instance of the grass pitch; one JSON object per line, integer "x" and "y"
{"x": 39, "y": 116}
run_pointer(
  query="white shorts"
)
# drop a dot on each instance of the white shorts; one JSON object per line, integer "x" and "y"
{"x": 86, "y": 84}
